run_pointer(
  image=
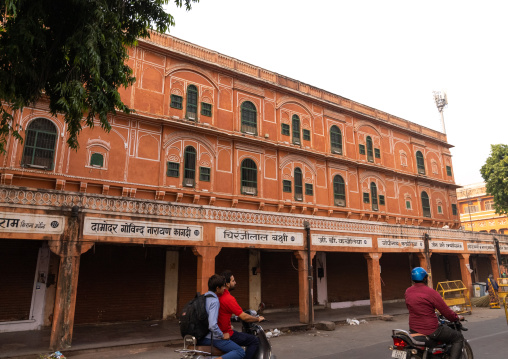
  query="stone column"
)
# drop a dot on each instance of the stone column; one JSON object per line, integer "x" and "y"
{"x": 206, "y": 265}
{"x": 254, "y": 278}
{"x": 303, "y": 286}
{"x": 322, "y": 283}
{"x": 425, "y": 264}
{"x": 474, "y": 262}
{"x": 170, "y": 285}
{"x": 374, "y": 272}
{"x": 69, "y": 248}
{"x": 493, "y": 264}
{"x": 465, "y": 273}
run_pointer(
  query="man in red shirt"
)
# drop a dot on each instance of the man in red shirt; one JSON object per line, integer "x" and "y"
{"x": 422, "y": 301}
{"x": 228, "y": 307}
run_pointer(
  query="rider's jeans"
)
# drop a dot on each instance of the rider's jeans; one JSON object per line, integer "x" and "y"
{"x": 232, "y": 350}
{"x": 249, "y": 341}
{"x": 448, "y": 335}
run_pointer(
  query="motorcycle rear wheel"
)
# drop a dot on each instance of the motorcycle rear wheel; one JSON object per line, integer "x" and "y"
{"x": 467, "y": 352}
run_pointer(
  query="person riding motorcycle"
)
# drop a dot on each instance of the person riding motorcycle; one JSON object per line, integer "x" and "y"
{"x": 422, "y": 301}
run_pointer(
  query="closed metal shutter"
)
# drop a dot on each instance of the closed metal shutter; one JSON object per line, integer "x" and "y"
{"x": 279, "y": 280}
{"x": 120, "y": 283}
{"x": 18, "y": 262}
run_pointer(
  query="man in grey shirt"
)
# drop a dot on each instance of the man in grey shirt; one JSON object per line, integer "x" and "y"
{"x": 216, "y": 286}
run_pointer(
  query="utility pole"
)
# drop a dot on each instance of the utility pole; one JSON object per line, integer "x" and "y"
{"x": 441, "y": 102}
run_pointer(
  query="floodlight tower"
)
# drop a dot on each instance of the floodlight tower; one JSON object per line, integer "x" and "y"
{"x": 441, "y": 102}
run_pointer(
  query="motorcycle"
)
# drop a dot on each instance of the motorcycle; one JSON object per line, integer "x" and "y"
{"x": 419, "y": 346}
{"x": 193, "y": 351}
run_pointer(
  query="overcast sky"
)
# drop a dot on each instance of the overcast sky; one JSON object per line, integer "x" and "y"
{"x": 390, "y": 55}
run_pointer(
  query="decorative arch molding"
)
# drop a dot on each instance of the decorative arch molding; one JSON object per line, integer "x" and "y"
{"x": 180, "y": 135}
{"x": 369, "y": 174}
{"x": 294, "y": 158}
{"x": 361, "y": 124}
{"x": 27, "y": 120}
{"x": 285, "y": 100}
{"x": 197, "y": 70}
{"x": 249, "y": 156}
{"x": 98, "y": 142}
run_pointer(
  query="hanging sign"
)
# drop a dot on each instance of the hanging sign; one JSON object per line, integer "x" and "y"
{"x": 446, "y": 245}
{"x": 237, "y": 235}
{"x": 341, "y": 241}
{"x": 400, "y": 243}
{"x": 155, "y": 230}
{"x": 31, "y": 223}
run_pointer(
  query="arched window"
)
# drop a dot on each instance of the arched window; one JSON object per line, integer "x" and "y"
{"x": 336, "y": 140}
{"x": 373, "y": 195}
{"x": 339, "y": 191}
{"x": 420, "y": 163}
{"x": 249, "y": 177}
{"x": 425, "y": 204}
{"x": 192, "y": 102}
{"x": 298, "y": 184}
{"x": 249, "y": 118}
{"x": 296, "y": 130}
{"x": 189, "y": 173}
{"x": 370, "y": 150}
{"x": 40, "y": 142}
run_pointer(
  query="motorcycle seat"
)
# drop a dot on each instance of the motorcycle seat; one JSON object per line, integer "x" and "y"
{"x": 206, "y": 348}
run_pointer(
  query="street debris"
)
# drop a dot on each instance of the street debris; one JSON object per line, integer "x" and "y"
{"x": 353, "y": 321}
{"x": 274, "y": 333}
{"x": 55, "y": 355}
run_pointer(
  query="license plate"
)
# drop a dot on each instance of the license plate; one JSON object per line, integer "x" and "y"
{"x": 399, "y": 354}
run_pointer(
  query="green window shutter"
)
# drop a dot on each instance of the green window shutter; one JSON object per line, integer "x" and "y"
{"x": 97, "y": 160}
{"x": 339, "y": 191}
{"x": 296, "y": 129}
{"x": 204, "y": 174}
{"x": 336, "y": 140}
{"x": 408, "y": 204}
{"x": 426, "y": 205}
{"x": 306, "y": 135}
{"x": 420, "y": 163}
{"x": 454, "y": 209}
{"x": 173, "y": 169}
{"x": 249, "y": 118}
{"x": 176, "y": 101}
{"x": 285, "y": 129}
{"x": 286, "y": 186}
{"x": 298, "y": 175}
{"x": 206, "y": 109}
{"x": 448, "y": 170}
{"x": 370, "y": 151}
{"x": 381, "y": 200}
{"x": 366, "y": 198}
{"x": 377, "y": 153}
{"x": 39, "y": 144}
{"x": 362, "y": 149}
{"x": 309, "y": 189}
{"x": 439, "y": 209}
{"x": 192, "y": 103}
{"x": 249, "y": 177}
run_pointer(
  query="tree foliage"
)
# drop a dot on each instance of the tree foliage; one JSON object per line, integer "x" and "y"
{"x": 495, "y": 175}
{"x": 72, "y": 52}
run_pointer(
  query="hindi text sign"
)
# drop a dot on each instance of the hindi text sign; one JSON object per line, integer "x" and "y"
{"x": 238, "y": 235}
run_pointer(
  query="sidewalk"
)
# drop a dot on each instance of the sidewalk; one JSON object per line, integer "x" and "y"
{"x": 30, "y": 344}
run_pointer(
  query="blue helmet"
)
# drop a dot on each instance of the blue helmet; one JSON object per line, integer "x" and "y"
{"x": 418, "y": 274}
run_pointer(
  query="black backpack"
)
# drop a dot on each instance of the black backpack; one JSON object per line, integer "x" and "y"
{"x": 194, "y": 319}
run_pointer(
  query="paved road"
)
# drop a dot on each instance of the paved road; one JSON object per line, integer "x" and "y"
{"x": 488, "y": 336}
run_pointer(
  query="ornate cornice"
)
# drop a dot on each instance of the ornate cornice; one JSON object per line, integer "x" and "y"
{"x": 122, "y": 206}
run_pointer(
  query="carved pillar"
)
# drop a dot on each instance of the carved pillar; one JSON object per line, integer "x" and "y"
{"x": 465, "y": 273}
{"x": 303, "y": 286}
{"x": 425, "y": 264}
{"x": 206, "y": 265}
{"x": 474, "y": 263}
{"x": 493, "y": 264}
{"x": 69, "y": 248}
{"x": 374, "y": 272}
